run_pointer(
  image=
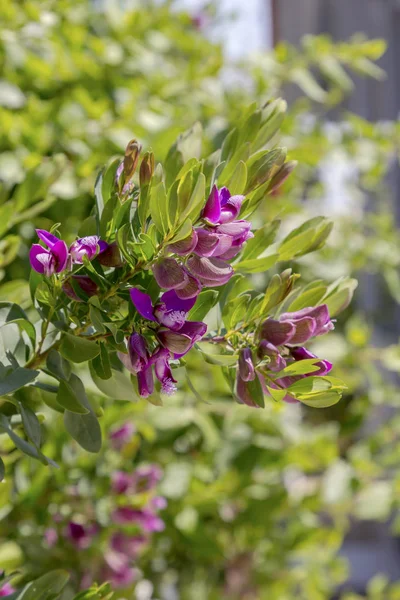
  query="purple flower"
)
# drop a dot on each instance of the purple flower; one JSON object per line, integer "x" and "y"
{"x": 122, "y": 435}
{"x": 86, "y": 284}
{"x": 298, "y": 354}
{"x": 297, "y": 327}
{"x": 145, "y": 518}
{"x": 6, "y": 590}
{"x": 163, "y": 371}
{"x": 121, "y": 482}
{"x": 180, "y": 342}
{"x": 221, "y": 207}
{"x": 110, "y": 256}
{"x": 186, "y": 246}
{"x": 88, "y": 246}
{"x": 276, "y": 360}
{"x": 118, "y": 569}
{"x": 51, "y": 536}
{"x": 211, "y": 272}
{"x": 159, "y": 503}
{"x": 129, "y": 545}
{"x": 177, "y": 334}
{"x": 246, "y": 366}
{"x": 51, "y": 260}
{"x": 170, "y": 275}
{"x": 138, "y": 356}
{"x": 81, "y": 536}
{"x": 302, "y": 353}
{"x": 146, "y": 478}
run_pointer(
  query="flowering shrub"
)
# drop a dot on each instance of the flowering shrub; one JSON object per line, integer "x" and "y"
{"x": 156, "y": 257}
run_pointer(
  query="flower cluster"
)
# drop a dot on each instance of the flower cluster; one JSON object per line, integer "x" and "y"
{"x": 6, "y": 590}
{"x": 134, "y": 515}
{"x": 57, "y": 257}
{"x": 207, "y": 249}
{"x": 175, "y": 335}
{"x": 279, "y": 344}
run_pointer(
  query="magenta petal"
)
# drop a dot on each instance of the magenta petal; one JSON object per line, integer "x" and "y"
{"x": 194, "y": 329}
{"x": 34, "y": 252}
{"x": 223, "y": 246}
{"x": 224, "y": 195}
{"x": 304, "y": 330}
{"x": 173, "y": 302}
{"x": 277, "y": 362}
{"x": 243, "y": 393}
{"x": 210, "y": 271}
{"x": 175, "y": 341}
{"x": 145, "y": 383}
{"x": 143, "y": 304}
{"x": 207, "y": 242}
{"x": 184, "y": 247}
{"x": 169, "y": 274}
{"x": 126, "y": 361}
{"x": 137, "y": 348}
{"x": 276, "y": 332}
{"x": 60, "y": 253}
{"x": 246, "y": 367}
{"x": 236, "y": 229}
{"x": 212, "y": 209}
{"x": 231, "y": 209}
{"x": 48, "y": 238}
{"x": 191, "y": 290}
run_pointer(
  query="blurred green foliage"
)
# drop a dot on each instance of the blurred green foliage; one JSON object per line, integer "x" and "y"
{"x": 259, "y": 501}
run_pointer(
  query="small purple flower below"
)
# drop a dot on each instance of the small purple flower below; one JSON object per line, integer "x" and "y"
{"x": 89, "y": 246}
{"x": 50, "y": 260}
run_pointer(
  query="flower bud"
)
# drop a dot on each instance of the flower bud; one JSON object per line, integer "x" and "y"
{"x": 111, "y": 256}
{"x": 280, "y": 177}
{"x": 87, "y": 286}
{"x": 131, "y": 159}
{"x": 246, "y": 367}
{"x": 146, "y": 168}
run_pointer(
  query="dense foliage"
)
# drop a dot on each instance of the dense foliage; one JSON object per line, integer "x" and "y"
{"x": 250, "y": 501}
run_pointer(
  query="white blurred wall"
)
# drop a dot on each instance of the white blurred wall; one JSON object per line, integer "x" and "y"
{"x": 247, "y": 24}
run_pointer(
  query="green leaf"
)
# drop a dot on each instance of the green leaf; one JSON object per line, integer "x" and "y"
{"x": 309, "y": 385}
{"x": 184, "y": 231}
{"x": 57, "y": 365}
{"x": 256, "y": 392}
{"x": 101, "y": 364}
{"x": 67, "y": 398}
{"x": 24, "y": 325}
{"x": 96, "y": 318}
{"x": 272, "y": 117}
{"x": 309, "y": 297}
{"x": 118, "y": 387}
{"x": 277, "y": 395}
{"x": 2, "y": 470}
{"x": 264, "y": 237}
{"x": 196, "y": 202}
{"x": 237, "y": 183}
{"x": 99, "y": 196}
{"x": 321, "y": 400}
{"x": 257, "y": 265}
{"x": 77, "y": 349}
{"x": 301, "y": 367}
{"x": 85, "y": 429}
{"x": 159, "y": 208}
{"x": 212, "y": 355}
{"x": 47, "y": 587}
{"x": 31, "y": 424}
{"x": 11, "y": 312}
{"x": 308, "y": 84}
{"x": 22, "y": 445}
{"x": 204, "y": 303}
{"x": 16, "y": 380}
{"x": 310, "y": 236}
